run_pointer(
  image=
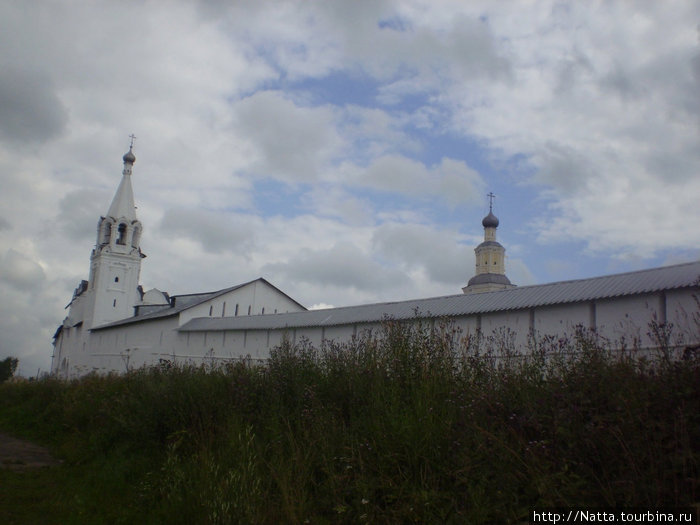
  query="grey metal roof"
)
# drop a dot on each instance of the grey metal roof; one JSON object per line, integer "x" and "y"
{"x": 609, "y": 286}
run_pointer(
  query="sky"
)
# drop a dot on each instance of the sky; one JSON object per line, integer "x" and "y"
{"x": 342, "y": 150}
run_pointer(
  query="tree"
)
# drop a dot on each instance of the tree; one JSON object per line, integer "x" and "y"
{"x": 7, "y": 368}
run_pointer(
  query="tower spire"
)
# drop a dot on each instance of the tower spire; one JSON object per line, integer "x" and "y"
{"x": 122, "y": 206}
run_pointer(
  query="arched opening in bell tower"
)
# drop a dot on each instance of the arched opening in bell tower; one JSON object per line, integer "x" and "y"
{"x": 121, "y": 234}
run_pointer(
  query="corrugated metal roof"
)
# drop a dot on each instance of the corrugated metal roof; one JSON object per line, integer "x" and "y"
{"x": 596, "y": 288}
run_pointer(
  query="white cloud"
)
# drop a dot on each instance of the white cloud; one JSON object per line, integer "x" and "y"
{"x": 451, "y": 180}
{"x": 343, "y": 265}
{"x": 589, "y": 110}
{"x": 440, "y": 254}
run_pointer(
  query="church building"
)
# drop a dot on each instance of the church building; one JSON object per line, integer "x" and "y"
{"x": 113, "y": 325}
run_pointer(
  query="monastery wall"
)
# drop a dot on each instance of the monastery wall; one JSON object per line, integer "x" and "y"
{"x": 627, "y": 317}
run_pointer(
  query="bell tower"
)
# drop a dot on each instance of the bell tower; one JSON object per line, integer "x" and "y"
{"x": 490, "y": 255}
{"x": 115, "y": 262}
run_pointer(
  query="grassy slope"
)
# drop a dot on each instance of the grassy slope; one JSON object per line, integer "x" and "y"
{"x": 403, "y": 428}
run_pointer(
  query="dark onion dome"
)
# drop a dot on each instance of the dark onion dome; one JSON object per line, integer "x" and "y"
{"x": 130, "y": 158}
{"x": 490, "y": 221}
{"x": 489, "y": 278}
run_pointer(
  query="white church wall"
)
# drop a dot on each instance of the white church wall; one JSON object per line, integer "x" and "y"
{"x": 257, "y": 344}
{"x": 255, "y": 298}
{"x": 233, "y": 342}
{"x": 683, "y": 311}
{"x": 145, "y": 343}
{"x": 467, "y": 325}
{"x": 562, "y": 319}
{"x": 627, "y": 318}
{"x": 312, "y": 334}
{"x": 517, "y": 322}
{"x": 340, "y": 333}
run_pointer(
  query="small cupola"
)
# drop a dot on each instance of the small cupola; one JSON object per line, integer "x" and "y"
{"x": 129, "y": 157}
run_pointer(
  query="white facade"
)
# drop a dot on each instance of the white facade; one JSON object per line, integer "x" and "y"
{"x": 113, "y": 326}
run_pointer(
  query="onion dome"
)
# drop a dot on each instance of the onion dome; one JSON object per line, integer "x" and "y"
{"x": 490, "y": 221}
{"x": 129, "y": 157}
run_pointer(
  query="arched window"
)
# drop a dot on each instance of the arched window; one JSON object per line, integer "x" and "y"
{"x": 136, "y": 237}
{"x": 106, "y": 232}
{"x": 121, "y": 238}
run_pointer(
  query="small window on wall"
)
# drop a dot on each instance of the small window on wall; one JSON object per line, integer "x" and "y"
{"x": 116, "y": 279}
{"x": 263, "y": 311}
{"x": 114, "y": 303}
{"x": 236, "y": 312}
{"x": 249, "y": 307}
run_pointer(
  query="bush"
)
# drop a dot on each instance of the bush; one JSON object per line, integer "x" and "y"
{"x": 7, "y": 368}
{"x": 401, "y": 426}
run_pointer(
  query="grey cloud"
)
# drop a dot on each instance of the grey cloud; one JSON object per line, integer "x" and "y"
{"x": 21, "y": 272}
{"x": 79, "y": 211}
{"x": 30, "y": 111}
{"x": 343, "y": 265}
{"x": 472, "y": 48}
{"x": 5, "y": 224}
{"x": 217, "y": 233}
{"x": 621, "y": 82}
{"x": 571, "y": 70}
{"x": 563, "y": 167}
{"x": 452, "y": 180}
{"x": 438, "y": 253}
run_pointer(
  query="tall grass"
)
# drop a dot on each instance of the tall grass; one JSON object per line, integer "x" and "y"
{"x": 405, "y": 426}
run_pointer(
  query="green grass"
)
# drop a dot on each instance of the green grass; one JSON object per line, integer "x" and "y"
{"x": 405, "y": 427}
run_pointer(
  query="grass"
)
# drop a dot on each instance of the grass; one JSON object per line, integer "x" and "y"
{"x": 403, "y": 427}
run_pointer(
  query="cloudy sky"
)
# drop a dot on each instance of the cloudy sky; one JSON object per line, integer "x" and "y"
{"x": 343, "y": 150}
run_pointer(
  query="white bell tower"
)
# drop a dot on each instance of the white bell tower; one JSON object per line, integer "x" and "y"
{"x": 115, "y": 262}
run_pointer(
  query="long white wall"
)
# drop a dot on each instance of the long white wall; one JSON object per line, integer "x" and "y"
{"x": 146, "y": 343}
{"x": 623, "y": 318}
